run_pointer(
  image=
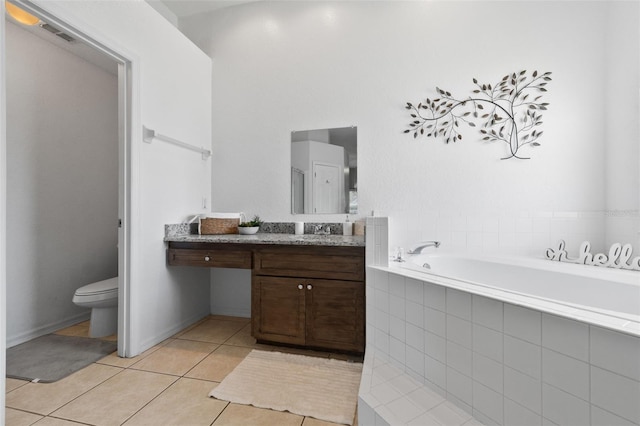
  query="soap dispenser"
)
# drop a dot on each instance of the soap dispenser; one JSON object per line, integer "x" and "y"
{"x": 347, "y": 227}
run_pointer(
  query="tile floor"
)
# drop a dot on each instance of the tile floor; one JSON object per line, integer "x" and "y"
{"x": 166, "y": 385}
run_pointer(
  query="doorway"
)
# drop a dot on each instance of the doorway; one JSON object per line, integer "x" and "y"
{"x": 94, "y": 51}
{"x": 327, "y": 187}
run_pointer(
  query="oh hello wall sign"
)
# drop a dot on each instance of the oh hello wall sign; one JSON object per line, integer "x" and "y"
{"x": 620, "y": 256}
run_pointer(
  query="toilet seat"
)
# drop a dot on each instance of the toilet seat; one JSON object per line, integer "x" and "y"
{"x": 100, "y": 291}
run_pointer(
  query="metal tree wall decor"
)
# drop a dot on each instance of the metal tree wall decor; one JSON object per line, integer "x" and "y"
{"x": 509, "y": 112}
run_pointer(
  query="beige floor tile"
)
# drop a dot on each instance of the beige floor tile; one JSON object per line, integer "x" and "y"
{"x": 117, "y": 399}
{"x": 99, "y": 395}
{"x": 44, "y": 398}
{"x": 80, "y": 330}
{"x": 219, "y": 363}
{"x": 243, "y": 415}
{"x": 213, "y": 330}
{"x": 191, "y": 327}
{"x": 176, "y": 357}
{"x": 186, "y": 402}
{"x": 12, "y": 384}
{"x": 226, "y": 318}
{"x": 310, "y": 421}
{"x": 243, "y": 338}
{"x": 112, "y": 338}
{"x": 51, "y": 421}
{"x": 116, "y": 361}
{"x": 20, "y": 418}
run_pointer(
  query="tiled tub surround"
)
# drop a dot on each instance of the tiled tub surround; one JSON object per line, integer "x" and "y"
{"x": 525, "y": 233}
{"x": 503, "y": 363}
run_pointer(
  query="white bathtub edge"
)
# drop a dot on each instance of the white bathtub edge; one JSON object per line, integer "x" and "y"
{"x": 590, "y": 317}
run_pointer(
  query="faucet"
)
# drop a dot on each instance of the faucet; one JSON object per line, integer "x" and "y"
{"x": 421, "y": 246}
{"x": 322, "y": 229}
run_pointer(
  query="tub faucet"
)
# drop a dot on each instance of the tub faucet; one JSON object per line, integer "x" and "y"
{"x": 421, "y": 246}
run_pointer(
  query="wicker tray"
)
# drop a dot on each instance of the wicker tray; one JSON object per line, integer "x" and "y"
{"x": 216, "y": 226}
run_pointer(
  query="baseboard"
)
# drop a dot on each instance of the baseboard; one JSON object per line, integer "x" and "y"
{"x": 46, "y": 329}
{"x": 230, "y": 312}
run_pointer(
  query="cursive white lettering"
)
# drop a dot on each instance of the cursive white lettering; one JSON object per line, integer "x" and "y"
{"x": 618, "y": 257}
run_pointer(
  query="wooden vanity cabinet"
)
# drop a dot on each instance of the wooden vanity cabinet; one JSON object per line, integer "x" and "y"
{"x": 310, "y": 296}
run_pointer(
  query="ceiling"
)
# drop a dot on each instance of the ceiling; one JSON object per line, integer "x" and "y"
{"x": 68, "y": 43}
{"x": 180, "y": 8}
{"x": 185, "y": 8}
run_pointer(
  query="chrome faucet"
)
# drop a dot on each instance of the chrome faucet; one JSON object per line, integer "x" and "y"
{"x": 322, "y": 229}
{"x": 421, "y": 246}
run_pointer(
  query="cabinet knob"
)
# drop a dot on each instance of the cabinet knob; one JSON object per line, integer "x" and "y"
{"x": 309, "y": 286}
{"x": 299, "y": 286}
{"x": 207, "y": 258}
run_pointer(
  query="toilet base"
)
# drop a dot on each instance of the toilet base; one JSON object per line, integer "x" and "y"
{"x": 104, "y": 322}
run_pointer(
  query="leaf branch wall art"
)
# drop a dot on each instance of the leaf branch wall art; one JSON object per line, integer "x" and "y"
{"x": 509, "y": 112}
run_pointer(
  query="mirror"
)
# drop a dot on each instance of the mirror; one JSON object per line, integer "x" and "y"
{"x": 324, "y": 171}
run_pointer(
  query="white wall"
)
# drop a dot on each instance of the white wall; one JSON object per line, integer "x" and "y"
{"x": 622, "y": 195}
{"x": 231, "y": 292}
{"x": 172, "y": 95}
{"x": 283, "y": 66}
{"x": 62, "y": 181}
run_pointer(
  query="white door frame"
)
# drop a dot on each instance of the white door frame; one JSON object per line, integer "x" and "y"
{"x": 127, "y": 83}
{"x": 3, "y": 216}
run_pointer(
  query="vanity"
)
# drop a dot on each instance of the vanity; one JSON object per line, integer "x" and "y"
{"x": 306, "y": 290}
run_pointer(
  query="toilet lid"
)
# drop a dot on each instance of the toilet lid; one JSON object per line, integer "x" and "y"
{"x": 100, "y": 287}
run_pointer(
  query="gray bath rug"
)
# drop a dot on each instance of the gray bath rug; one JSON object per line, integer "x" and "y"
{"x": 51, "y": 357}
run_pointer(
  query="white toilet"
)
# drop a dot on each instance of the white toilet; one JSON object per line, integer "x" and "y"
{"x": 102, "y": 298}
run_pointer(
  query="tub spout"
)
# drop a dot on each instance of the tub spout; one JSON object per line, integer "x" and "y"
{"x": 421, "y": 246}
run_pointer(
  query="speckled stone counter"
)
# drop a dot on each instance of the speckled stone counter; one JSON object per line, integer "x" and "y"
{"x": 270, "y": 238}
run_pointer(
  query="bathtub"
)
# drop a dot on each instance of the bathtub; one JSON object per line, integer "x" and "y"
{"x": 509, "y": 340}
{"x": 596, "y": 295}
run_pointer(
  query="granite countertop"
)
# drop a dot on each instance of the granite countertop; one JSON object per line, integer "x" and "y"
{"x": 272, "y": 238}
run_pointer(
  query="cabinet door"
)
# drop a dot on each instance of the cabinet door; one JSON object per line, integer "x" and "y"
{"x": 335, "y": 314}
{"x": 278, "y": 309}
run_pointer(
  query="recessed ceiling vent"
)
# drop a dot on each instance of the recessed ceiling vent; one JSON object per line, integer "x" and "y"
{"x": 53, "y": 30}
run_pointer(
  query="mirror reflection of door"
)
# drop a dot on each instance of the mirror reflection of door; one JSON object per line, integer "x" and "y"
{"x": 327, "y": 188}
{"x": 336, "y": 192}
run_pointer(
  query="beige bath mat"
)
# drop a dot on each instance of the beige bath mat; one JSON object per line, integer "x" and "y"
{"x": 326, "y": 389}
